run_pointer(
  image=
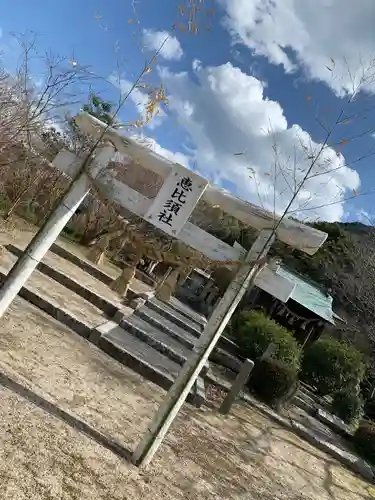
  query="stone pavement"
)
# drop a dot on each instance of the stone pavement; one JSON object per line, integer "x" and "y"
{"x": 19, "y": 232}
{"x": 304, "y": 425}
{"x": 55, "y": 299}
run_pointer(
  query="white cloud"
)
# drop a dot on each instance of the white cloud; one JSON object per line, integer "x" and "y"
{"x": 171, "y": 49}
{"x": 308, "y": 33}
{"x": 226, "y": 113}
{"x": 136, "y": 96}
{"x": 153, "y": 145}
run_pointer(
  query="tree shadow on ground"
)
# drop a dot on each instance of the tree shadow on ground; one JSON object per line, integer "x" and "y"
{"x": 237, "y": 455}
{"x": 329, "y": 465}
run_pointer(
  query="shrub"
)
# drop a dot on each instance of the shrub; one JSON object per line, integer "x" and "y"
{"x": 370, "y": 409}
{"x": 364, "y": 440}
{"x": 330, "y": 366}
{"x": 253, "y": 332}
{"x": 348, "y": 406}
{"x": 368, "y": 384}
{"x": 273, "y": 381}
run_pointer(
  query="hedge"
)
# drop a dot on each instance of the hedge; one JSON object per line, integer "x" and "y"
{"x": 330, "y": 366}
{"x": 364, "y": 441}
{"x": 348, "y": 406}
{"x": 273, "y": 381}
{"x": 253, "y": 332}
{"x": 370, "y": 410}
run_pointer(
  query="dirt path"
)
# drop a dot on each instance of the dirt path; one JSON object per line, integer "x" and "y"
{"x": 205, "y": 457}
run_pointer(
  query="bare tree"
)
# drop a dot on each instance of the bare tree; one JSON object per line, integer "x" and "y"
{"x": 27, "y": 110}
{"x": 353, "y": 288}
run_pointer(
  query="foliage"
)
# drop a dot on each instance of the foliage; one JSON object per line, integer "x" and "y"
{"x": 347, "y": 405}
{"x": 345, "y": 268}
{"x": 253, "y": 332}
{"x": 331, "y": 365}
{"x": 273, "y": 381}
{"x": 335, "y": 255}
{"x": 364, "y": 440}
{"x": 69, "y": 137}
{"x": 369, "y": 410}
{"x": 100, "y": 109}
{"x": 368, "y": 385}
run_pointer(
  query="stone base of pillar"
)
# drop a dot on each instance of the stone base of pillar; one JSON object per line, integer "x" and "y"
{"x": 96, "y": 255}
{"x": 121, "y": 284}
{"x": 166, "y": 290}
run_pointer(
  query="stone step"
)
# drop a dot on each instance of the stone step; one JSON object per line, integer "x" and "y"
{"x": 77, "y": 280}
{"x": 188, "y": 312}
{"x": 93, "y": 269}
{"x": 224, "y": 358}
{"x": 82, "y": 263}
{"x": 220, "y": 355}
{"x": 142, "y": 358}
{"x": 175, "y": 317}
{"x": 162, "y": 323}
{"x": 159, "y": 340}
{"x": 53, "y": 298}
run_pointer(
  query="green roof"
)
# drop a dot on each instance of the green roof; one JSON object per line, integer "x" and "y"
{"x": 309, "y": 295}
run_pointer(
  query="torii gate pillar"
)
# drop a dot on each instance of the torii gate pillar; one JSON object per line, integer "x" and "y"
{"x": 254, "y": 261}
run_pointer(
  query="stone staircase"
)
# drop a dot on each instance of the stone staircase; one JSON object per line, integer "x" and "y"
{"x": 155, "y": 341}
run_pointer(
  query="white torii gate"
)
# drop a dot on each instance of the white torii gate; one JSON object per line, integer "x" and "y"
{"x": 290, "y": 232}
{"x": 190, "y": 234}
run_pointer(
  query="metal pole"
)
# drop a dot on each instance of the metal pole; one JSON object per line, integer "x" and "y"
{"x": 42, "y": 241}
{"x": 237, "y": 386}
{"x": 222, "y": 313}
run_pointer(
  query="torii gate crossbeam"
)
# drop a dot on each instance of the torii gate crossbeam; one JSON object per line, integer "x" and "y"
{"x": 293, "y": 233}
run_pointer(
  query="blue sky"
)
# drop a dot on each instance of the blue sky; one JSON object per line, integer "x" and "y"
{"x": 250, "y": 99}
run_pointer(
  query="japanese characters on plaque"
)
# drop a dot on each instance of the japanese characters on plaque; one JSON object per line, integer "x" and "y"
{"x": 176, "y": 200}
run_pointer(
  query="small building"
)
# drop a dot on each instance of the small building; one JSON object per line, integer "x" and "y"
{"x": 199, "y": 291}
{"x": 294, "y": 301}
{"x": 307, "y": 312}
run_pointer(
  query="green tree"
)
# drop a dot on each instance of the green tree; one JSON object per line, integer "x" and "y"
{"x": 100, "y": 109}
{"x": 253, "y": 331}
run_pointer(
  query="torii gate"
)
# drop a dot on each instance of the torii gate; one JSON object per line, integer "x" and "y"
{"x": 290, "y": 232}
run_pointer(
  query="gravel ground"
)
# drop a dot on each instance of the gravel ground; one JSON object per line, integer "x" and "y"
{"x": 206, "y": 456}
